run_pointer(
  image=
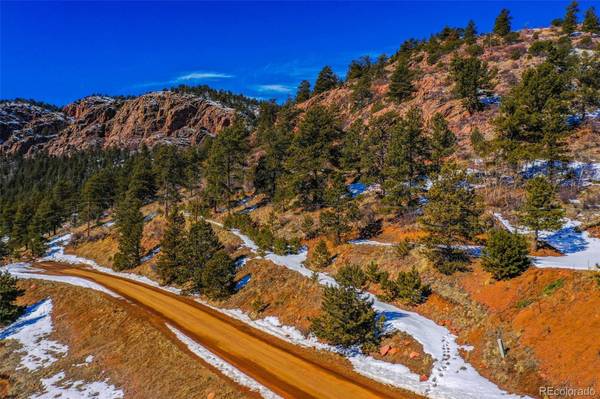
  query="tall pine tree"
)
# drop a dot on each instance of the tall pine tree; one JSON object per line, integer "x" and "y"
{"x": 130, "y": 225}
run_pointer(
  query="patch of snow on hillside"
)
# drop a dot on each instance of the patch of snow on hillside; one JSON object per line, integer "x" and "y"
{"x": 580, "y": 250}
{"x": 224, "y": 367}
{"x": 31, "y": 330}
{"x": 57, "y": 387}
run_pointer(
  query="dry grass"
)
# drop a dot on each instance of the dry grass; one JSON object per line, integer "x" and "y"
{"x": 128, "y": 347}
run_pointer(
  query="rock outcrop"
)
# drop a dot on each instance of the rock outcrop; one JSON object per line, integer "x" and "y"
{"x": 106, "y": 122}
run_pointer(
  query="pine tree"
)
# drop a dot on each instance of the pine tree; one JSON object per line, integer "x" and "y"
{"x": 310, "y": 154}
{"x": 202, "y": 243}
{"x": 443, "y": 141}
{"x": 142, "y": 184}
{"x": 470, "y": 34}
{"x": 35, "y": 233}
{"x": 407, "y": 287}
{"x": 9, "y": 292}
{"x": 326, "y": 80}
{"x": 19, "y": 234}
{"x": 569, "y": 24}
{"x": 502, "y": 25}
{"x": 361, "y": 91}
{"x": 271, "y": 166}
{"x": 217, "y": 277}
{"x": 224, "y": 172}
{"x": 320, "y": 256}
{"x": 471, "y": 76}
{"x": 303, "y": 92}
{"x": 401, "y": 87}
{"x": 478, "y": 142}
{"x": 505, "y": 255}
{"x": 408, "y": 151}
{"x": 4, "y": 252}
{"x": 168, "y": 170}
{"x": 172, "y": 249}
{"x": 351, "y": 147}
{"x": 451, "y": 215}
{"x": 351, "y": 276}
{"x": 541, "y": 210}
{"x": 591, "y": 23}
{"x": 97, "y": 195}
{"x": 375, "y": 146}
{"x": 347, "y": 318}
{"x": 130, "y": 225}
{"x": 532, "y": 121}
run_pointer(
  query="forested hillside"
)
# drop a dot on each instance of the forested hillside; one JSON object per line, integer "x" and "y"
{"x": 457, "y": 179}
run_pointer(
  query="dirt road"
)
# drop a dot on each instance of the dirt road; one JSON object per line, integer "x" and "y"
{"x": 287, "y": 370}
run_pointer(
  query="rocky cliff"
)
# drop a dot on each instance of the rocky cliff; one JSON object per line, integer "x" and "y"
{"x": 105, "y": 122}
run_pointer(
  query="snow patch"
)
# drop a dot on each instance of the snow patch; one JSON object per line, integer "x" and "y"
{"x": 31, "y": 330}
{"x": 57, "y": 387}
{"x": 224, "y": 367}
{"x": 580, "y": 250}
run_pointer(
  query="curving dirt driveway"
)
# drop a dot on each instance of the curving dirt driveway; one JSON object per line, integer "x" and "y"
{"x": 287, "y": 370}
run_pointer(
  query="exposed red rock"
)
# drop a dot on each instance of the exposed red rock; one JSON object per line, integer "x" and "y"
{"x": 105, "y": 122}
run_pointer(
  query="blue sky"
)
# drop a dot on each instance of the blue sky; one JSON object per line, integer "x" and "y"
{"x": 58, "y": 52}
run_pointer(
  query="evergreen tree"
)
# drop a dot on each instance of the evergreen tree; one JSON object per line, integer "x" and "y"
{"x": 407, "y": 287}
{"x": 347, "y": 319}
{"x": 401, "y": 86}
{"x": 478, "y": 142}
{"x": 320, "y": 256}
{"x": 586, "y": 74}
{"x": 505, "y": 255}
{"x": 569, "y": 24}
{"x": 130, "y": 225}
{"x": 224, "y": 172}
{"x": 19, "y": 234}
{"x": 532, "y": 121}
{"x": 271, "y": 166}
{"x": 502, "y": 25}
{"x": 361, "y": 91}
{"x": 470, "y": 34}
{"x": 326, "y": 80}
{"x": 35, "y": 233}
{"x": 591, "y": 23}
{"x": 142, "y": 184}
{"x": 375, "y": 147}
{"x": 303, "y": 92}
{"x": 168, "y": 170}
{"x": 541, "y": 210}
{"x": 310, "y": 155}
{"x": 359, "y": 68}
{"x": 351, "y": 147}
{"x": 443, "y": 141}
{"x": 351, "y": 276}
{"x": 97, "y": 195}
{"x": 408, "y": 151}
{"x": 9, "y": 292}
{"x": 217, "y": 277}
{"x": 202, "y": 243}
{"x": 450, "y": 216}
{"x": 172, "y": 250}
{"x": 471, "y": 76}
{"x": 4, "y": 252}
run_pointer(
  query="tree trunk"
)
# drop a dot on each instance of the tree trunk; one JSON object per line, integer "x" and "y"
{"x": 535, "y": 241}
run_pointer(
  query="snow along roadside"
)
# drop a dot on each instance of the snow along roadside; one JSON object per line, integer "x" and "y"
{"x": 224, "y": 367}
{"x": 452, "y": 377}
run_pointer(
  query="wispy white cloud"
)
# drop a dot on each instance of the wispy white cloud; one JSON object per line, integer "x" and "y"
{"x": 195, "y": 76}
{"x": 274, "y": 88}
{"x": 202, "y": 76}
